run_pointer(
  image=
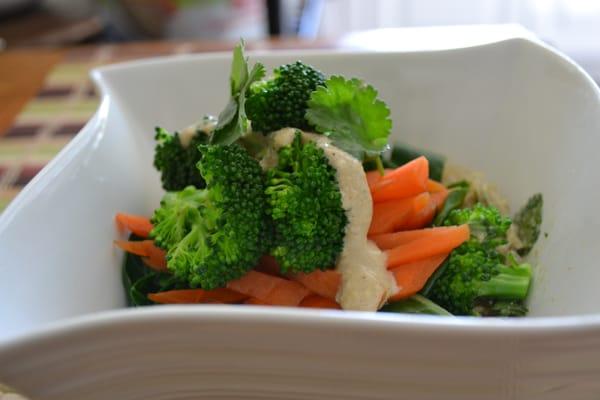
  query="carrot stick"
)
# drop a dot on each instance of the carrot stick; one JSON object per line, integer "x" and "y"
{"x": 390, "y": 216}
{"x": 191, "y": 296}
{"x": 140, "y": 248}
{"x": 438, "y": 193}
{"x": 152, "y": 256}
{"x": 423, "y": 217}
{"x": 375, "y": 176}
{"x": 435, "y": 186}
{"x": 323, "y": 283}
{"x": 412, "y": 277}
{"x": 136, "y": 224}
{"x": 316, "y": 301}
{"x": 426, "y": 247}
{"x": 255, "y": 301}
{"x": 269, "y": 289}
{"x": 407, "y": 180}
{"x": 156, "y": 262}
{"x": 388, "y": 241}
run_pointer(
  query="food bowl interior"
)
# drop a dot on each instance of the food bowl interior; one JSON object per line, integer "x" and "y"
{"x": 515, "y": 110}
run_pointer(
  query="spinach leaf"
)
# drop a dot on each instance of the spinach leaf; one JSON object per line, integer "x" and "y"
{"x": 416, "y": 304}
{"x": 455, "y": 199}
{"x": 433, "y": 278}
{"x": 139, "y": 280}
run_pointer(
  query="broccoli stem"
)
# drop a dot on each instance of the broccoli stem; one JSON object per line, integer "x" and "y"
{"x": 510, "y": 283}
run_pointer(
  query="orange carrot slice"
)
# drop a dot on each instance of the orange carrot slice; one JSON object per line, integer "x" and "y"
{"x": 426, "y": 247}
{"x": 316, "y": 301}
{"x": 390, "y": 216}
{"x": 157, "y": 262}
{"x": 269, "y": 289}
{"x": 140, "y": 248}
{"x": 438, "y": 193}
{"x": 374, "y": 176}
{"x": 412, "y": 277}
{"x": 407, "y": 180}
{"x": 136, "y": 224}
{"x": 323, "y": 283}
{"x": 423, "y": 217}
{"x": 191, "y": 296}
{"x": 388, "y": 241}
{"x": 152, "y": 256}
{"x": 255, "y": 301}
{"x": 435, "y": 186}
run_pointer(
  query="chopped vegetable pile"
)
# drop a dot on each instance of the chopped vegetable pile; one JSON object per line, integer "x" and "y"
{"x": 294, "y": 197}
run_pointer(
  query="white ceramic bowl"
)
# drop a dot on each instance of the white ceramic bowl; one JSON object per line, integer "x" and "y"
{"x": 515, "y": 109}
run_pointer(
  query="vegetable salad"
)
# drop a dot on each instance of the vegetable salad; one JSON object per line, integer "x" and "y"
{"x": 293, "y": 196}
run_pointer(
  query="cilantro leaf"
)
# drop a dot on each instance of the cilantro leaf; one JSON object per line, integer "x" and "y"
{"x": 233, "y": 122}
{"x": 349, "y": 112}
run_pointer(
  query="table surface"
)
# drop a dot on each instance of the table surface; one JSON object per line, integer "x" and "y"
{"x": 46, "y": 97}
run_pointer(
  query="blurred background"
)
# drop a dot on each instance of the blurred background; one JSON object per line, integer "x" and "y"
{"x": 47, "y": 48}
{"x": 571, "y": 25}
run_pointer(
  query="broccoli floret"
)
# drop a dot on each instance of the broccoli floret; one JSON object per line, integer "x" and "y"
{"x": 305, "y": 204}
{"x": 177, "y": 163}
{"x": 487, "y": 225}
{"x": 216, "y": 234}
{"x": 479, "y": 280}
{"x": 281, "y": 101}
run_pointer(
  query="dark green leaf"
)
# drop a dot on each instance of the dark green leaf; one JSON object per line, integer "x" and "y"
{"x": 454, "y": 200}
{"x": 349, "y": 112}
{"x": 426, "y": 291}
{"x": 139, "y": 280}
{"x": 416, "y": 304}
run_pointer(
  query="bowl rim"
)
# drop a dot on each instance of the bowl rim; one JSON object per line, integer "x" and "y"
{"x": 345, "y": 319}
{"x": 362, "y": 321}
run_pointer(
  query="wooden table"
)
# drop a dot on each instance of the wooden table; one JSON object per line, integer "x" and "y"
{"x": 46, "y": 97}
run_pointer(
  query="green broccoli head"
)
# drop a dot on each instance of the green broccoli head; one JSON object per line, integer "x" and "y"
{"x": 216, "y": 234}
{"x": 281, "y": 101}
{"x": 176, "y": 162}
{"x": 305, "y": 204}
{"x": 478, "y": 279}
{"x": 487, "y": 225}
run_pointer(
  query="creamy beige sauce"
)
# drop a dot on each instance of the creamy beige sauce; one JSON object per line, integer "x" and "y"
{"x": 366, "y": 282}
{"x": 206, "y": 125}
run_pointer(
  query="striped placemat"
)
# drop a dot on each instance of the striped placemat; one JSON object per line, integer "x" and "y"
{"x": 63, "y": 105}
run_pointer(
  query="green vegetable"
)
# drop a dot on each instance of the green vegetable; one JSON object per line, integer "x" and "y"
{"x": 478, "y": 280}
{"x": 350, "y": 113}
{"x": 528, "y": 222}
{"x": 216, "y": 234}
{"x": 305, "y": 204}
{"x": 233, "y": 121}
{"x": 487, "y": 225}
{"x": 454, "y": 200}
{"x": 139, "y": 280}
{"x": 416, "y": 304}
{"x": 176, "y": 163}
{"x": 281, "y": 101}
{"x": 426, "y": 291}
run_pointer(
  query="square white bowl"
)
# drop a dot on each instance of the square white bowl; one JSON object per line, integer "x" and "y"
{"x": 515, "y": 109}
